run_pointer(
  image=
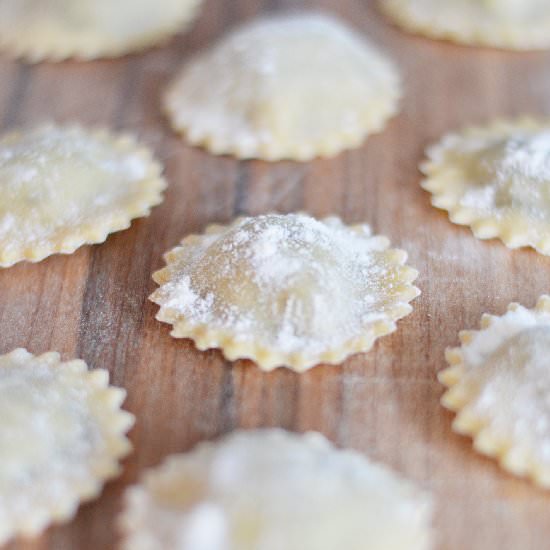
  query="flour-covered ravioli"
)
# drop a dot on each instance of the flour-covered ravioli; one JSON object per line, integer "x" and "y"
{"x": 507, "y": 24}
{"x": 294, "y": 87}
{"x": 496, "y": 179}
{"x": 63, "y": 187}
{"x": 285, "y": 289}
{"x": 62, "y": 434}
{"x": 499, "y": 385}
{"x": 86, "y": 29}
{"x": 273, "y": 490}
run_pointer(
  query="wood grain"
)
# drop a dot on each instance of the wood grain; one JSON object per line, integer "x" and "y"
{"x": 93, "y": 304}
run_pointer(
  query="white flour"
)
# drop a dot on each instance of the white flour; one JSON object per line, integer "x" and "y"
{"x": 270, "y": 490}
{"x": 507, "y": 364}
{"x": 517, "y": 172}
{"x": 55, "y": 178}
{"x": 48, "y": 438}
{"x": 288, "y": 281}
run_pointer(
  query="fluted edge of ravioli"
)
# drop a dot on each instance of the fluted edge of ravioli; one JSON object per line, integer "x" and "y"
{"x": 329, "y": 148}
{"x": 509, "y": 454}
{"x": 176, "y": 480}
{"x": 113, "y": 423}
{"x": 268, "y": 358}
{"x": 443, "y": 181}
{"x": 472, "y": 32}
{"x": 70, "y": 239}
{"x": 36, "y": 47}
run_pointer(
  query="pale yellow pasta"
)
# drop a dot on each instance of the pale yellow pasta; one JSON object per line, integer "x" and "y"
{"x": 55, "y": 30}
{"x": 272, "y": 490}
{"x": 293, "y": 86}
{"x": 499, "y": 385}
{"x": 496, "y": 179}
{"x": 285, "y": 290}
{"x": 507, "y": 24}
{"x": 65, "y": 186}
{"x": 62, "y": 435}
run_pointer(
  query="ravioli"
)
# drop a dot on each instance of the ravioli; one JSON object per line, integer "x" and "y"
{"x": 499, "y": 385}
{"x": 61, "y": 437}
{"x": 54, "y": 30}
{"x": 292, "y": 86}
{"x": 507, "y": 24}
{"x": 285, "y": 290}
{"x": 496, "y": 179}
{"x": 66, "y": 186}
{"x": 272, "y": 489}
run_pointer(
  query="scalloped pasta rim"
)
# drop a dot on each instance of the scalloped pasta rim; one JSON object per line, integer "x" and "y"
{"x": 457, "y": 399}
{"x": 440, "y": 182}
{"x": 374, "y": 121}
{"x": 29, "y": 48}
{"x": 68, "y": 240}
{"x": 492, "y": 35}
{"x": 114, "y": 423}
{"x": 205, "y": 337}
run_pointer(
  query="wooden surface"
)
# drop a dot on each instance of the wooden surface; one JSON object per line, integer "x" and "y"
{"x": 93, "y": 304}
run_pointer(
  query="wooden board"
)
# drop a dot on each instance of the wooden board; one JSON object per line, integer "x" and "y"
{"x": 93, "y": 304}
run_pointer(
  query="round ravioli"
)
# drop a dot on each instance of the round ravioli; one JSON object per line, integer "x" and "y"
{"x": 285, "y": 289}
{"x": 293, "y": 87}
{"x": 63, "y": 187}
{"x": 86, "y": 29}
{"x": 496, "y": 179}
{"x": 507, "y": 24}
{"x": 499, "y": 385}
{"x": 271, "y": 489}
{"x": 61, "y": 436}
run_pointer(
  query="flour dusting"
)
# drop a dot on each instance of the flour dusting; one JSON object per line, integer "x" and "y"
{"x": 63, "y": 187}
{"x": 288, "y": 282}
{"x": 527, "y": 157}
{"x": 515, "y": 173}
{"x": 48, "y": 437}
{"x": 55, "y": 177}
{"x": 270, "y": 489}
{"x": 508, "y": 382}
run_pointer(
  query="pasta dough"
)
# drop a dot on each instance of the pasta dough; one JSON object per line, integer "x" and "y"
{"x": 291, "y": 87}
{"x": 285, "y": 289}
{"x": 269, "y": 490}
{"x": 61, "y": 437}
{"x": 499, "y": 385}
{"x": 508, "y": 24}
{"x": 496, "y": 179}
{"x": 64, "y": 187}
{"x": 87, "y": 29}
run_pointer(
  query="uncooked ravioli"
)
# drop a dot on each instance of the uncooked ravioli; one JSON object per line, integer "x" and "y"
{"x": 63, "y": 187}
{"x": 61, "y": 437}
{"x": 499, "y": 385}
{"x": 496, "y": 179}
{"x": 58, "y": 29}
{"x": 273, "y": 490}
{"x": 285, "y": 290}
{"x": 507, "y": 24}
{"x": 294, "y": 86}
